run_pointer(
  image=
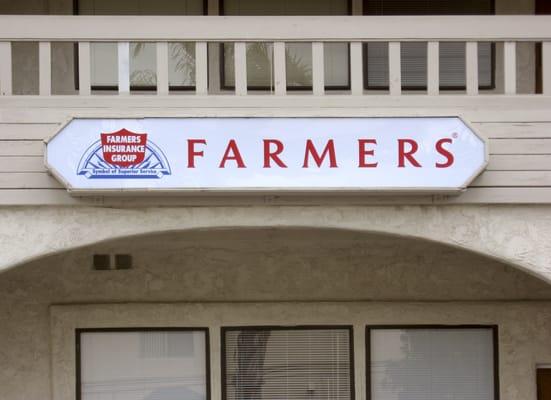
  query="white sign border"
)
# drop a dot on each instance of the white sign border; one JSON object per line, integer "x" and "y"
{"x": 372, "y": 191}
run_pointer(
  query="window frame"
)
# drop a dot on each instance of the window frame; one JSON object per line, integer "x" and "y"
{"x": 222, "y": 59}
{"x": 541, "y": 372}
{"x": 76, "y": 12}
{"x": 80, "y": 331}
{"x": 495, "y": 340}
{"x": 491, "y": 86}
{"x": 224, "y": 329}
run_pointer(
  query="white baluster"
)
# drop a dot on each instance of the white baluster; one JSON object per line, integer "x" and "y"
{"x": 471, "y": 67}
{"x": 201, "y": 68}
{"x": 318, "y": 69}
{"x": 433, "y": 68}
{"x": 124, "y": 67}
{"x": 44, "y": 69}
{"x": 240, "y": 55}
{"x": 394, "y": 69}
{"x": 5, "y": 69}
{"x": 356, "y": 68}
{"x": 280, "y": 73}
{"x": 162, "y": 68}
{"x": 84, "y": 81}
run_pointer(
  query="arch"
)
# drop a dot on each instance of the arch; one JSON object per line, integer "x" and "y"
{"x": 517, "y": 236}
{"x": 275, "y": 264}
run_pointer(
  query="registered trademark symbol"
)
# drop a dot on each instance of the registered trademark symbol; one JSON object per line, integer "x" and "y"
{"x": 455, "y": 135}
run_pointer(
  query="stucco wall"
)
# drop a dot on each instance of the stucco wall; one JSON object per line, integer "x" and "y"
{"x": 524, "y": 338}
{"x": 272, "y": 265}
{"x": 260, "y": 267}
{"x": 515, "y": 234}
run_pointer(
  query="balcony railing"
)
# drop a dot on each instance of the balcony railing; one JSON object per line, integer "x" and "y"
{"x": 354, "y": 30}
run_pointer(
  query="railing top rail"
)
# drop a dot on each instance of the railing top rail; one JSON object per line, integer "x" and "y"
{"x": 289, "y": 29}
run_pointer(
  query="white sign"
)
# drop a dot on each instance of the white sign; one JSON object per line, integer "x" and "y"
{"x": 434, "y": 154}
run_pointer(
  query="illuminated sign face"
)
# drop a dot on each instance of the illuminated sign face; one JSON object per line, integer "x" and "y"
{"x": 430, "y": 154}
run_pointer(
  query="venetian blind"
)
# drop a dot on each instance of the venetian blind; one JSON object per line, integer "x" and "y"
{"x": 140, "y": 7}
{"x": 432, "y": 364}
{"x": 414, "y": 55}
{"x": 282, "y": 364}
{"x": 146, "y": 365}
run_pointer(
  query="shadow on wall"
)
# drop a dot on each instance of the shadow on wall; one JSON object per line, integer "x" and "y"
{"x": 270, "y": 265}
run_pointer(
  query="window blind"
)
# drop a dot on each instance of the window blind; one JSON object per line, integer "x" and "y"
{"x": 414, "y": 55}
{"x": 432, "y": 364}
{"x": 166, "y": 344}
{"x": 285, "y": 7}
{"x": 283, "y": 364}
{"x": 140, "y": 7}
{"x": 143, "y": 365}
{"x": 428, "y": 7}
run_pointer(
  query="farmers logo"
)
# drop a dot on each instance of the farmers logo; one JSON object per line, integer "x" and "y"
{"x": 123, "y": 155}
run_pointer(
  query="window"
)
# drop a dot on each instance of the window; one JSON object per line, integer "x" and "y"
{"x": 142, "y": 364}
{"x": 143, "y": 68}
{"x": 141, "y": 7}
{"x": 414, "y": 55}
{"x": 432, "y": 363}
{"x": 298, "y": 55}
{"x": 543, "y": 381}
{"x": 278, "y": 363}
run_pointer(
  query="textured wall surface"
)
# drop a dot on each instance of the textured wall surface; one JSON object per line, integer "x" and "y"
{"x": 523, "y": 331}
{"x": 520, "y": 235}
{"x": 301, "y": 269}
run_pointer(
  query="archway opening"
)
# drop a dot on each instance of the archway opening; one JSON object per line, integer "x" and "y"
{"x": 274, "y": 265}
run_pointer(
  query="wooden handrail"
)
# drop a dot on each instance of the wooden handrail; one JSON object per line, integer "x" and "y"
{"x": 288, "y": 29}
